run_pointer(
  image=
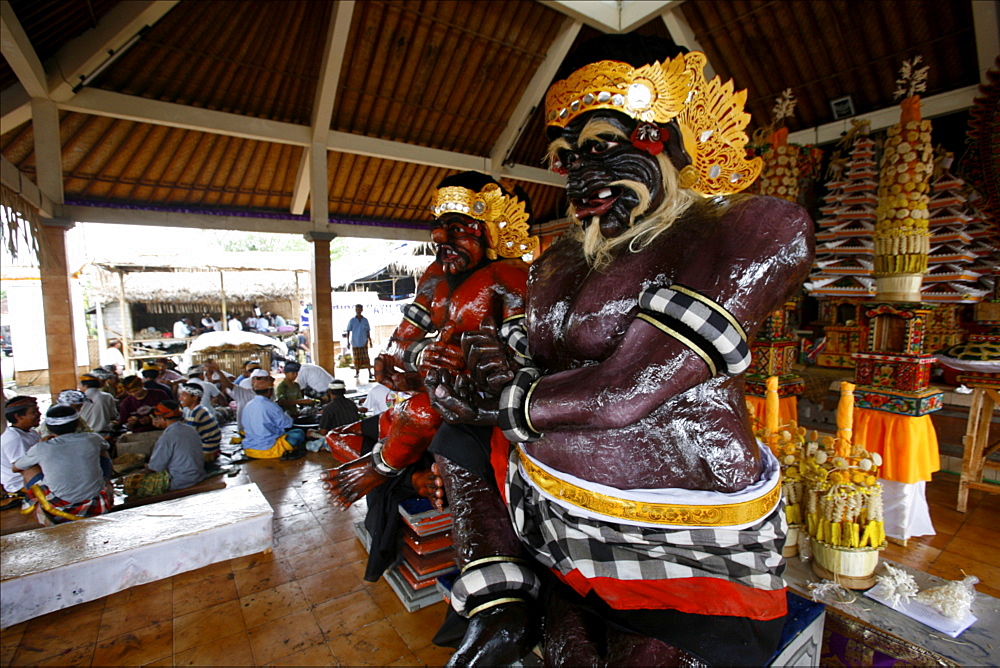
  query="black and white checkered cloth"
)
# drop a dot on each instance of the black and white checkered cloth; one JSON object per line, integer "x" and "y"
{"x": 563, "y": 541}
{"x": 515, "y": 334}
{"x": 411, "y": 356}
{"x": 701, "y": 324}
{"x": 513, "y": 417}
{"x": 420, "y": 316}
{"x": 496, "y": 578}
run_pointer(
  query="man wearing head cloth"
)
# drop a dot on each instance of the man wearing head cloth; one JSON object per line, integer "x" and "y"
{"x": 76, "y": 400}
{"x": 339, "y": 410}
{"x": 269, "y": 432}
{"x": 203, "y": 420}
{"x": 99, "y": 409}
{"x": 209, "y": 391}
{"x": 20, "y": 435}
{"x": 635, "y": 481}
{"x": 176, "y": 462}
{"x": 480, "y": 231}
{"x": 66, "y": 475}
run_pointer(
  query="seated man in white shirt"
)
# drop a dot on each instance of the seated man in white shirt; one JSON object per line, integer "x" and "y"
{"x": 19, "y": 436}
{"x": 102, "y": 409}
{"x": 66, "y": 475}
{"x": 313, "y": 379}
{"x": 209, "y": 390}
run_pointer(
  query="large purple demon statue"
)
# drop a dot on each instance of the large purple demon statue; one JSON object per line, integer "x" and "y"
{"x": 639, "y": 518}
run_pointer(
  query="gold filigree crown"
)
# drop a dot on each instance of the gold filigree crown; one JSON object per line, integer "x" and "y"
{"x": 504, "y": 215}
{"x": 710, "y": 114}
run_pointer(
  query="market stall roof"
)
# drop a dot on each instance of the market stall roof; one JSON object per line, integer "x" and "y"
{"x": 225, "y": 114}
{"x": 246, "y": 277}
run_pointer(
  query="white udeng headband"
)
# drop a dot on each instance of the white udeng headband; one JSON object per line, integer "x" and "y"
{"x": 65, "y": 419}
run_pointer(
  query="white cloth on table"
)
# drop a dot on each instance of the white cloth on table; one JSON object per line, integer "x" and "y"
{"x": 906, "y": 512}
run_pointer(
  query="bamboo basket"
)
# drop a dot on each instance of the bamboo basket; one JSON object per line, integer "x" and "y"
{"x": 850, "y": 567}
{"x": 791, "y": 548}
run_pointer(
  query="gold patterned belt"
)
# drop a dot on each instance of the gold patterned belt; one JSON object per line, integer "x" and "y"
{"x": 722, "y": 515}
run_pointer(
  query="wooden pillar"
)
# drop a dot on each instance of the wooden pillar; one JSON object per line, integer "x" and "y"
{"x": 321, "y": 321}
{"x": 57, "y": 306}
{"x": 225, "y": 309}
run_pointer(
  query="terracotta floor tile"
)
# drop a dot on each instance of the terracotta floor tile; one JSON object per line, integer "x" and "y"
{"x": 408, "y": 660}
{"x": 385, "y": 598}
{"x": 10, "y": 638}
{"x": 162, "y": 661}
{"x": 281, "y": 637}
{"x": 59, "y": 632}
{"x": 317, "y": 655}
{"x": 946, "y": 520}
{"x": 955, "y": 567}
{"x": 78, "y": 656}
{"x": 346, "y": 613}
{"x": 230, "y": 650}
{"x": 136, "y": 614}
{"x": 915, "y": 555}
{"x": 975, "y": 549}
{"x": 987, "y": 513}
{"x": 263, "y": 576}
{"x": 251, "y": 560}
{"x": 330, "y": 584}
{"x": 139, "y": 592}
{"x": 352, "y": 550}
{"x": 339, "y": 531}
{"x": 203, "y": 593}
{"x": 288, "y": 525}
{"x": 432, "y": 655}
{"x": 269, "y": 482}
{"x": 373, "y": 645}
{"x": 282, "y": 495}
{"x": 205, "y": 625}
{"x": 289, "y": 546}
{"x": 417, "y": 629}
{"x": 271, "y": 603}
{"x": 220, "y": 568}
{"x": 289, "y": 508}
{"x": 988, "y": 538}
{"x": 136, "y": 647}
{"x": 317, "y": 560}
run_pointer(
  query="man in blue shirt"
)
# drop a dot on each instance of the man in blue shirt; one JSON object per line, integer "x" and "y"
{"x": 267, "y": 428}
{"x": 359, "y": 334}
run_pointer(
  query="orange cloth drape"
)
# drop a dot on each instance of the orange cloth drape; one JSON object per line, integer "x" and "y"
{"x": 908, "y": 445}
{"x": 788, "y": 409}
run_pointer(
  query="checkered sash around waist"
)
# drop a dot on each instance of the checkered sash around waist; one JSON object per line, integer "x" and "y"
{"x": 564, "y": 541}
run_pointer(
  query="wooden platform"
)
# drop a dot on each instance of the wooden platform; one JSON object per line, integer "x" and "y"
{"x": 56, "y": 567}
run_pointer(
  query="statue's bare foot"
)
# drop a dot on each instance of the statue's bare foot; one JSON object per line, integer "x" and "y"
{"x": 351, "y": 481}
{"x": 498, "y": 636}
{"x": 429, "y": 485}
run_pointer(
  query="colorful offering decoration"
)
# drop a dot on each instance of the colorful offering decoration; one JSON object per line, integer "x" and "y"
{"x": 902, "y": 236}
{"x": 843, "y": 503}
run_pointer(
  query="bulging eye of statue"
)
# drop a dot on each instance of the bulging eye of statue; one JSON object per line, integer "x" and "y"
{"x": 599, "y": 147}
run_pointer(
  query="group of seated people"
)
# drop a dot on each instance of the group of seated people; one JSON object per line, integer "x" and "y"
{"x": 179, "y": 414}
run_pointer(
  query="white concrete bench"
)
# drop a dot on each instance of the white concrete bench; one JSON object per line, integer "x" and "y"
{"x": 56, "y": 567}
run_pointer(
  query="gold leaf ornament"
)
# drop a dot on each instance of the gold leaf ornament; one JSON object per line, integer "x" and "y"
{"x": 505, "y": 217}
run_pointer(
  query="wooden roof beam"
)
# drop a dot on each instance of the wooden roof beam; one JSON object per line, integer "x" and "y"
{"x": 534, "y": 93}
{"x": 20, "y": 54}
{"x": 326, "y": 94}
{"x": 682, "y": 34}
{"x": 99, "y": 214}
{"x": 935, "y": 105}
{"x": 611, "y": 16}
{"x": 15, "y": 107}
{"x": 19, "y": 182}
{"x": 93, "y": 50}
{"x": 143, "y": 110}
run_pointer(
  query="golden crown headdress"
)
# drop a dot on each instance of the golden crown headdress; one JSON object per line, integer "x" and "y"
{"x": 709, "y": 113}
{"x": 504, "y": 215}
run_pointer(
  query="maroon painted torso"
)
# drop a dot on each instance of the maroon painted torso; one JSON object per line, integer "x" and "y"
{"x": 750, "y": 260}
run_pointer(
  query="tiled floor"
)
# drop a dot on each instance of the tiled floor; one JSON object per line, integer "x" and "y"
{"x": 305, "y": 603}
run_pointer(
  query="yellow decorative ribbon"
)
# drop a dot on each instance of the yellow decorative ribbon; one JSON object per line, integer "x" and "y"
{"x": 728, "y": 514}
